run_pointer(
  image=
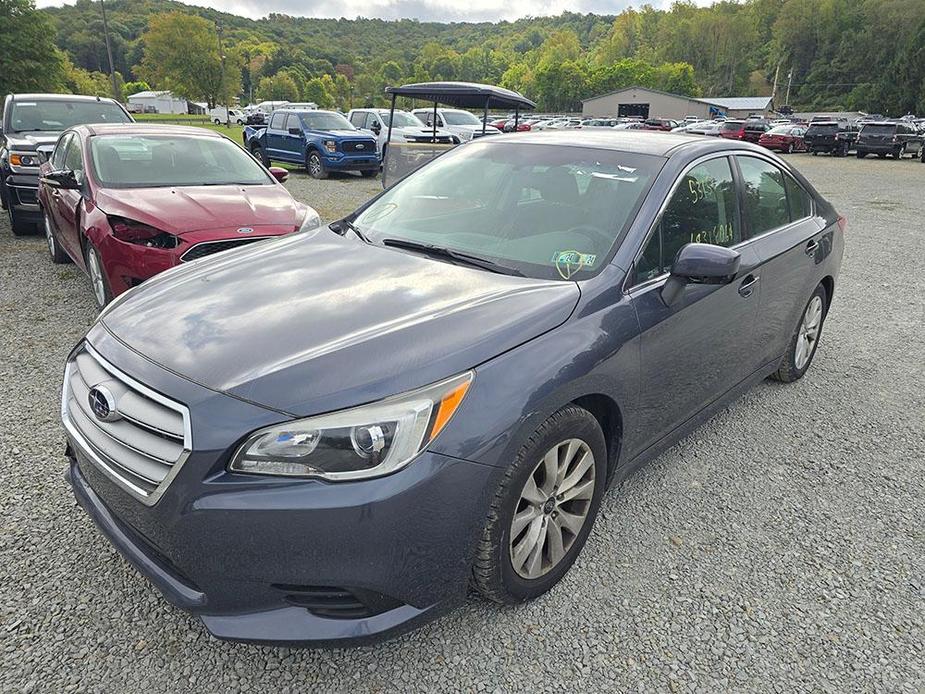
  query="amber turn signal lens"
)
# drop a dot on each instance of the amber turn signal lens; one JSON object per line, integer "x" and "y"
{"x": 448, "y": 405}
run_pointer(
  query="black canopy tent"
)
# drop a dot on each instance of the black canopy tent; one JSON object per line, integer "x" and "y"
{"x": 468, "y": 95}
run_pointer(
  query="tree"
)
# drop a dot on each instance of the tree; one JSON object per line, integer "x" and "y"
{"x": 29, "y": 61}
{"x": 130, "y": 88}
{"x": 279, "y": 87}
{"x": 181, "y": 53}
{"x": 320, "y": 91}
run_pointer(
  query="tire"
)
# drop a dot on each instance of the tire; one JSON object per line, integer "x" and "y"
{"x": 881, "y": 155}
{"x": 790, "y": 148}
{"x": 798, "y": 360}
{"x": 259, "y": 152}
{"x": 58, "y": 256}
{"x": 570, "y": 435}
{"x": 315, "y": 166}
{"x": 99, "y": 284}
{"x": 369, "y": 173}
{"x": 18, "y": 226}
{"x": 217, "y": 121}
{"x": 899, "y": 152}
{"x": 861, "y": 155}
{"x": 815, "y": 153}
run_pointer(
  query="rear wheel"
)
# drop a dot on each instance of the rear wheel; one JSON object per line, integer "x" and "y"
{"x": 790, "y": 148}
{"x": 261, "y": 155}
{"x": 543, "y": 509}
{"x": 861, "y": 155}
{"x": 899, "y": 152}
{"x": 58, "y": 256}
{"x": 803, "y": 344}
{"x": 315, "y": 166}
{"x": 217, "y": 121}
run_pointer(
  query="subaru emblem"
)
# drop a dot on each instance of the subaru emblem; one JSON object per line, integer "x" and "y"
{"x": 102, "y": 404}
{"x": 245, "y": 230}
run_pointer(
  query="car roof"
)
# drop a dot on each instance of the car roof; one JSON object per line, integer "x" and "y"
{"x": 659, "y": 144}
{"x": 143, "y": 129}
{"x": 59, "y": 97}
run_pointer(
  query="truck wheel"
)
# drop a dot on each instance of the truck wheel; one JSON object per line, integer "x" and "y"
{"x": 259, "y": 152}
{"x": 899, "y": 152}
{"x": 369, "y": 173}
{"x": 815, "y": 152}
{"x": 217, "y": 121}
{"x": 315, "y": 166}
{"x": 18, "y": 226}
{"x": 861, "y": 155}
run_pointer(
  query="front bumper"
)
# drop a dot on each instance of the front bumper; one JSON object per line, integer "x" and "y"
{"x": 351, "y": 162}
{"x": 22, "y": 193}
{"x": 248, "y": 554}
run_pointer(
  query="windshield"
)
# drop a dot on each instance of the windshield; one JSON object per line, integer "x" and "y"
{"x": 402, "y": 119}
{"x": 883, "y": 129}
{"x": 325, "y": 120}
{"x": 60, "y": 115}
{"x": 547, "y": 211}
{"x": 822, "y": 129}
{"x": 150, "y": 161}
{"x": 460, "y": 118}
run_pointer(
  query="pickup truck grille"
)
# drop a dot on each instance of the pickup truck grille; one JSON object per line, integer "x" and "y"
{"x": 365, "y": 146}
{"x": 440, "y": 139}
{"x": 201, "y": 250}
{"x": 142, "y": 442}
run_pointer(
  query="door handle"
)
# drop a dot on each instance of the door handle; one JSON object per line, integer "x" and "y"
{"x": 812, "y": 247}
{"x": 748, "y": 285}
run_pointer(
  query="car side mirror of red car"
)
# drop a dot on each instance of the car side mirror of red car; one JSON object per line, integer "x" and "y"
{"x": 279, "y": 173}
{"x": 64, "y": 179}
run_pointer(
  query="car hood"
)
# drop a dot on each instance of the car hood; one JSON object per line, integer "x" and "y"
{"x": 342, "y": 134}
{"x": 193, "y": 208}
{"x": 415, "y": 131}
{"x": 317, "y": 322}
{"x": 31, "y": 141}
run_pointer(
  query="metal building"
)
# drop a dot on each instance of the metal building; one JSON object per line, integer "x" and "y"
{"x": 652, "y": 103}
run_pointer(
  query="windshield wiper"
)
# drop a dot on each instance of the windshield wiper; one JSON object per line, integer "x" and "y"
{"x": 459, "y": 256}
{"x": 342, "y": 224}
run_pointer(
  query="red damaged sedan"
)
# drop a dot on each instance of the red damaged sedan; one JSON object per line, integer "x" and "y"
{"x": 125, "y": 202}
{"x": 784, "y": 138}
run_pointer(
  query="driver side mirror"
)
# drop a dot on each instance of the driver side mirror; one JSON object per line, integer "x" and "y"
{"x": 64, "y": 179}
{"x": 279, "y": 173}
{"x": 375, "y": 127}
{"x": 700, "y": 263}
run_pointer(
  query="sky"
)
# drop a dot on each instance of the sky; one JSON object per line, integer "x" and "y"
{"x": 424, "y": 10}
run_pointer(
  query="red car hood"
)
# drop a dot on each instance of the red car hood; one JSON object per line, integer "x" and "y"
{"x": 192, "y": 208}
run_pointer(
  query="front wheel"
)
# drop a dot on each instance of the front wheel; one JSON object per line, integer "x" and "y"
{"x": 790, "y": 148}
{"x": 899, "y": 152}
{"x": 58, "y": 256}
{"x": 315, "y": 166}
{"x": 803, "y": 344}
{"x": 369, "y": 173}
{"x": 261, "y": 155}
{"x": 861, "y": 155}
{"x": 543, "y": 509}
{"x": 98, "y": 282}
{"x": 17, "y": 225}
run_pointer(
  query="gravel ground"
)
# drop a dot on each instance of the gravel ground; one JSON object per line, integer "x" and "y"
{"x": 779, "y": 548}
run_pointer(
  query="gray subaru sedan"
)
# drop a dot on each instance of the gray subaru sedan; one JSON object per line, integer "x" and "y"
{"x": 325, "y": 439}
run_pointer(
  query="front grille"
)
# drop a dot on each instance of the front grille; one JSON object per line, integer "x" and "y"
{"x": 440, "y": 139}
{"x": 337, "y": 603}
{"x": 201, "y": 250}
{"x": 367, "y": 147}
{"x": 142, "y": 445}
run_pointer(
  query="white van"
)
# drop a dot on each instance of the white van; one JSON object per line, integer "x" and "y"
{"x": 220, "y": 114}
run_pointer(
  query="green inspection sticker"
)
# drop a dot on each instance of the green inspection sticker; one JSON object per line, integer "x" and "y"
{"x": 569, "y": 262}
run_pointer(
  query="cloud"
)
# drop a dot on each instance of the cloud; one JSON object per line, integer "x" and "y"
{"x": 424, "y": 10}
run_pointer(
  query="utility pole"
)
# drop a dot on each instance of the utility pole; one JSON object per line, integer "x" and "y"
{"x": 789, "y": 82}
{"x": 774, "y": 88}
{"x": 221, "y": 81}
{"x": 112, "y": 72}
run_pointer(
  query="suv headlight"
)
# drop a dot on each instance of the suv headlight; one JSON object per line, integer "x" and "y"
{"x": 366, "y": 441}
{"x": 312, "y": 220}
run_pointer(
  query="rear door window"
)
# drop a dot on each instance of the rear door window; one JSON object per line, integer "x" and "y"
{"x": 276, "y": 122}
{"x": 801, "y": 204}
{"x": 293, "y": 122}
{"x": 765, "y": 197}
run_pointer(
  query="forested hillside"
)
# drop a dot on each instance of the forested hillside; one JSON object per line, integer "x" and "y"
{"x": 852, "y": 54}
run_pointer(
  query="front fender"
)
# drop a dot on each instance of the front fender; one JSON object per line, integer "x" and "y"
{"x": 595, "y": 352}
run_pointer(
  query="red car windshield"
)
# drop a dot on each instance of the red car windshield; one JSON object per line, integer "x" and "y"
{"x": 152, "y": 161}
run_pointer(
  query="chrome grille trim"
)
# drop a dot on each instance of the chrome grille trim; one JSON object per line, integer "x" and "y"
{"x": 142, "y": 473}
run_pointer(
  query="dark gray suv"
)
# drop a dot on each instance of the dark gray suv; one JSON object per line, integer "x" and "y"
{"x": 326, "y": 438}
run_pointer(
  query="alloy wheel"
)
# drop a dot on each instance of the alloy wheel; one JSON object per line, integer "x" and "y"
{"x": 314, "y": 165}
{"x": 96, "y": 276}
{"x": 49, "y": 237}
{"x": 808, "y": 332}
{"x": 553, "y": 508}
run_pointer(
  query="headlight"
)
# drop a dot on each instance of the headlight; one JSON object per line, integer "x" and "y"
{"x": 25, "y": 159}
{"x": 330, "y": 145}
{"x": 366, "y": 441}
{"x": 312, "y": 220}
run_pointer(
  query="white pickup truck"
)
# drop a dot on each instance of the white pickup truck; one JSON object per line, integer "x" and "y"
{"x": 459, "y": 122}
{"x": 405, "y": 127}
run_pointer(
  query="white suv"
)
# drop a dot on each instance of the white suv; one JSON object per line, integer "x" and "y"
{"x": 461, "y": 123}
{"x": 405, "y": 127}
